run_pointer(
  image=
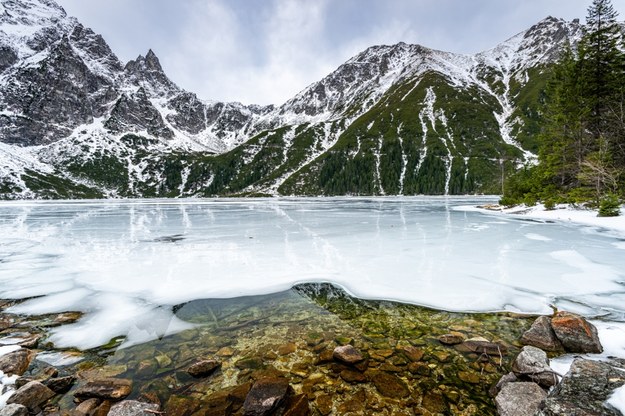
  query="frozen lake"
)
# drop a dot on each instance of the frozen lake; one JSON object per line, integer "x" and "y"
{"x": 126, "y": 262}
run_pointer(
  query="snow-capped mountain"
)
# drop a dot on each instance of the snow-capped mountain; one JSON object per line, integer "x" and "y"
{"x": 400, "y": 119}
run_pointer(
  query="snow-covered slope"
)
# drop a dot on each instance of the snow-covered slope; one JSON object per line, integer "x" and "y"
{"x": 65, "y": 96}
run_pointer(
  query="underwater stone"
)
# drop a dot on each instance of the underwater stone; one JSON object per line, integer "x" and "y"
{"x": 105, "y": 388}
{"x": 266, "y": 395}
{"x": 203, "y": 368}
{"x": 390, "y": 385}
{"x": 348, "y": 354}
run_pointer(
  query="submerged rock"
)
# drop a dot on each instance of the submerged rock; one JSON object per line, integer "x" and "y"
{"x": 348, "y": 354}
{"x": 541, "y": 335}
{"x": 452, "y": 338}
{"x": 584, "y": 390}
{"x": 105, "y": 388}
{"x": 532, "y": 363}
{"x": 519, "y": 399}
{"x": 390, "y": 385}
{"x": 203, "y": 368}
{"x": 266, "y": 395}
{"x": 482, "y": 346}
{"x": 575, "y": 333}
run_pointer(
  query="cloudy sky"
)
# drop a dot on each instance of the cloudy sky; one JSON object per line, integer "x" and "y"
{"x": 265, "y": 51}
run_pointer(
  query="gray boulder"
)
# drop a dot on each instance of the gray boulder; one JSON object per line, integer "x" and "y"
{"x": 519, "y": 399}
{"x": 14, "y": 410}
{"x": 532, "y": 364}
{"x": 133, "y": 408}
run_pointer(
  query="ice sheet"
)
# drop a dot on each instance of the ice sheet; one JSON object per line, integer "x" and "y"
{"x": 124, "y": 262}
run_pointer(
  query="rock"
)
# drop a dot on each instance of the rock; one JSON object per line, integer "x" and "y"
{"x": 16, "y": 362}
{"x": 482, "y": 346}
{"x": 133, "y": 408}
{"x": 266, "y": 395}
{"x": 584, "y": 390}
{"x": 575, "y": 333}
{"x": 412, "y": 353}
{"x": 434, "y": 402}
{"x": 32, "y": 395}
{"x": 390, "y": 385}
{"x": 352, "y": 376}
{"x": 105, "y": 388}
{"x": 60, "y": 384}
{"x": 324, "y": 404}
{"x": 519, "y": 399}
{"x": 87, "y": 408}
{"x": 287, "y": 349}
{"x": 532, "y": 363}
{"x": 297, "y": 406}
{"x": 541, "y": 335}
{"x": 508, "y": 378}
{"x": 14, "y": 410}
{"x": 469, "y": 377}
{"x": 180, "y": 406}
{"x": 347, "y": 354}
{"x": 452, "y": 338}
{"x": 203, "y": 368}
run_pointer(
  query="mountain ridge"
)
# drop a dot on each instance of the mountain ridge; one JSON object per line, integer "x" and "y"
{"x": 71, "y": 105}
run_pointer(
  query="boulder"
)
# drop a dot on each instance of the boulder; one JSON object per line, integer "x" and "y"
{"x": 105, "y": 388}
{"x": 519, "y": 399}
{"x": 265, "y": 396}
{"x": 575, "y": 333}
{"x": 541, "y": 335}
{"x": 505, "y": 379}
{"x": 584, "y": 390}
{"x": 532, "y": 363}
{"x": 60, "y": 384}
{"x": 16, "y": 362}
{"x": 32, "y": 395}
{"x": 87, "y": 408}
{"x": 347, "y": 354}
{"x": 14, "y": 410}
{"x": 203, "y": 368}
{"x": 133, "y": 408}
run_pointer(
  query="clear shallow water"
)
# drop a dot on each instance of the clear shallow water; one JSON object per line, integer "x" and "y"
{"x": 126, "y": 262}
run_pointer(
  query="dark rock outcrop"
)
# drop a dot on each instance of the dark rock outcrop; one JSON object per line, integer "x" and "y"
{"x": 584, "y": 390}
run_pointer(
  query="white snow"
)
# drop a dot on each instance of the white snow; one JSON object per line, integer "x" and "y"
{"x": 617, "y": 399}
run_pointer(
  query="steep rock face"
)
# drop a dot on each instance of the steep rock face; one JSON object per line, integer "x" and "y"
{"x": 400, "y": 119}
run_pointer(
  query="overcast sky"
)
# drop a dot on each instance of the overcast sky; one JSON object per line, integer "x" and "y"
{"x": 265, "y": 51}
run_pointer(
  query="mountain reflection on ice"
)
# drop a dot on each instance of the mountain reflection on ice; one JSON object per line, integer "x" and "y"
{"x": 125, "y": 263}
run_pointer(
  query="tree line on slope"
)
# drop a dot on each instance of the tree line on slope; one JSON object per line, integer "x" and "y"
{"x": 582, "y": 142}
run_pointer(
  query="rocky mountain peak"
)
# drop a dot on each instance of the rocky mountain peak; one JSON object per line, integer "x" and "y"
{"x": 148, "y": 73}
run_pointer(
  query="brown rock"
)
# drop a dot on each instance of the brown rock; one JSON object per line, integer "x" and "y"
{"x": 541, "y": 335}
{"x": 203, "y": 368}
{"x": 32, "y": 395}
{"x": 434, "y": 402}
{"x": 469, "y": 377}
{"x": 287, "y": 349}
{"x": 86, "y": 408}
{"x": 390, "y": 385}
{"x": 347, "y": 354}
{"x": 105, "y": 388}
{"x": 297, "y": 406}
{"x": 16, "y": 362}
{"x": 421, "y": 369}
{"x": 575, "y": 333}
{"x": 352, "y": 376}
{"x": 266, "y": 395}
{"x": 452, "y": 338}
{"x": 324, "y": 404}
{"x": 326, "y": 356}
{"x": 133, "y": 408}
{"x": 412, "y": 353}
{"x": 482, "y": 346}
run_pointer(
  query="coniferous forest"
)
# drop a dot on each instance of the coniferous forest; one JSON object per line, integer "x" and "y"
{"x": 581, "y": 156}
